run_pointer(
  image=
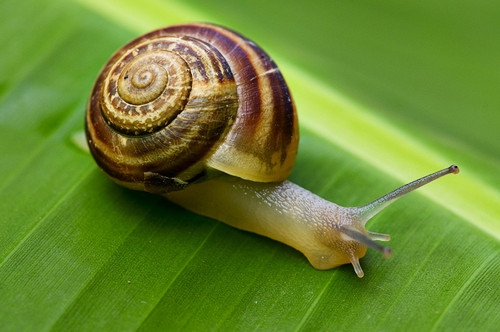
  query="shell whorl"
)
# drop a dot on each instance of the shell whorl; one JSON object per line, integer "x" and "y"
{"x": 146, "y": 89}
{"x": 182, "y": 98}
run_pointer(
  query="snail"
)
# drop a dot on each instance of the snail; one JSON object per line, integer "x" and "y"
{"x": 202, "y": 115}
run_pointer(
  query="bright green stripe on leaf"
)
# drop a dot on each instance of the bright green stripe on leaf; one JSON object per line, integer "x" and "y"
{"x": 342, "y": 122}
{"x": 144, "y": 15}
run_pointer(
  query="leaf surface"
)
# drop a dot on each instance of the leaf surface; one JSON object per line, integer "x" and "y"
{"x": 385, "y": 93}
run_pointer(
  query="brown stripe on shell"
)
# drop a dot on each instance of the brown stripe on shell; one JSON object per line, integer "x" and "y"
{"x": 286, "y": 120}
{"x": 219, "y": 72}
{"x": 284, "y": 116}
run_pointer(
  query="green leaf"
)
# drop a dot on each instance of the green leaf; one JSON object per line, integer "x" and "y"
{"x": 386, "y": 92}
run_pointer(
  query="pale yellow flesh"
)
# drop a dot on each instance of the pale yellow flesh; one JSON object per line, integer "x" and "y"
{"x": 282, "y": 211}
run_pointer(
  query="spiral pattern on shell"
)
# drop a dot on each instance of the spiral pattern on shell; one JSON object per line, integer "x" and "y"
{"x": 177, "y": 100}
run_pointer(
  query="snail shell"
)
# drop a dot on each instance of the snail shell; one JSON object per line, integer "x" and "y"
{"x": 177, "y": 100}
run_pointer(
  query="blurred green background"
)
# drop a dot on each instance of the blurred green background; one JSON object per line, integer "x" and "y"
{"x": 386, "y": 91}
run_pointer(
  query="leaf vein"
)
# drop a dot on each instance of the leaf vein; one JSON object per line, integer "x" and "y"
{"x": 186, "y": 263}
{"x": 463, "y": 288}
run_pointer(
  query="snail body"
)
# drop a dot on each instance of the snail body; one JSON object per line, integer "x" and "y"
{"x": 203, "y": 116}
